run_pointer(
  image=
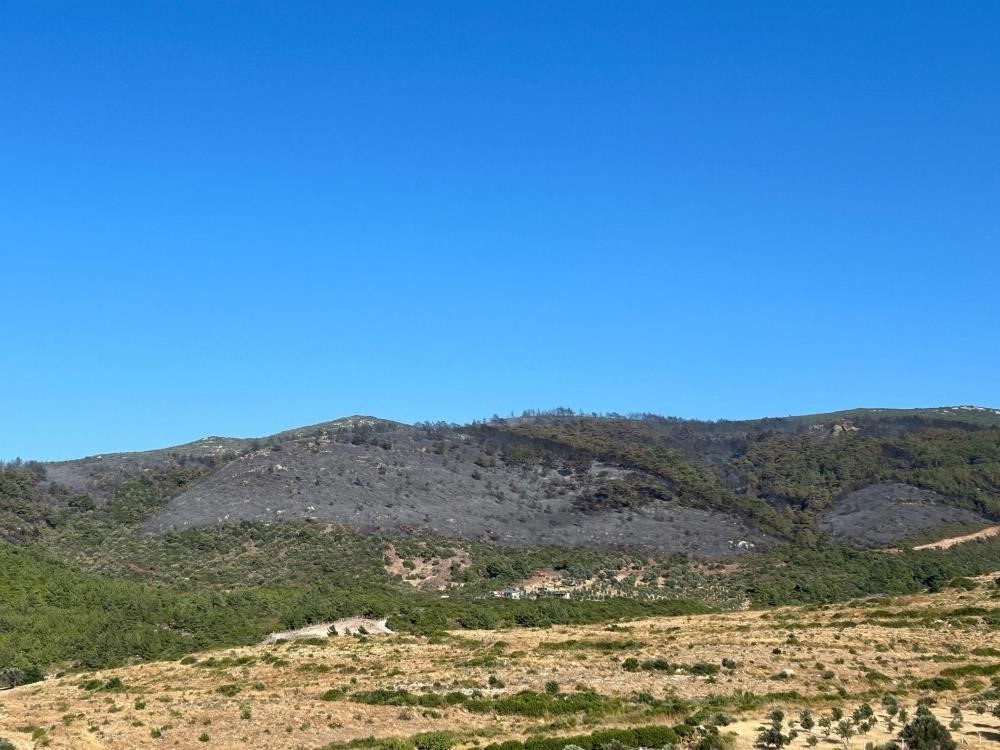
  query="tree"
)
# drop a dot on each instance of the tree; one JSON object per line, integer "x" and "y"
{"x": 926, "y": 733}
{"x": 824, "y": 723}
{"x": 862, "y": 713}
{"x": 890, "y": 705}
{"x": 956, "y": 719}
{"x": 845, "y": 730}
{"x": 772, "y": 736}
{"x": 891, "y": 708}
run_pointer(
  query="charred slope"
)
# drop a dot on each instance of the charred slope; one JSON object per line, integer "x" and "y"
{"x": 452, "y": 483}
{"x": 643, "y": 482}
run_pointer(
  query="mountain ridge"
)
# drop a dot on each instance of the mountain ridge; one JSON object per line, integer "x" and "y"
{"x": 664, "y": 484}
{"x": 969, "y": 413}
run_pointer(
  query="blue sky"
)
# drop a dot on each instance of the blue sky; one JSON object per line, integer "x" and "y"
{"x": 234, "y": 218}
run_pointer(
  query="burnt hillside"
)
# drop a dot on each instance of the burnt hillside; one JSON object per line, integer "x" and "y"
{"x": 643, "y": 482}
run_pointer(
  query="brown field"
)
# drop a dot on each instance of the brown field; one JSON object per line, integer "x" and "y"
{"x": 871, "y": 647}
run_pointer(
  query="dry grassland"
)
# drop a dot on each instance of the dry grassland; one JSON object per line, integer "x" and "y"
{"x": 859, "y": 650}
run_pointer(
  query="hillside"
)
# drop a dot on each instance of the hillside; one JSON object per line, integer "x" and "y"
{"x": 645, "y": 483}
{"x": 711, "y": 679}
{"x": 221, "y": 541}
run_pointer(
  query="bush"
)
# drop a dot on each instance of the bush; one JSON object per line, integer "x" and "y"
{"x": 114, "y": 685}
{"x": 12, "y": 677}
{"x": 604, "y": 738}
{"x": 966, "y": 584}
{"x": 656, "y": 736}
{"x": 936, "y": 684}
{"x": 704, "y": 668}
{"x": 434, "y": 741}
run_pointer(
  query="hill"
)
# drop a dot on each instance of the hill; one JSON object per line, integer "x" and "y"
{"x": 713, "y": 489}
{"x": 138, "y": 556}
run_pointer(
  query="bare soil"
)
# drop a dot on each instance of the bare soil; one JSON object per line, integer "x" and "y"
{"x": 952, "y": 541}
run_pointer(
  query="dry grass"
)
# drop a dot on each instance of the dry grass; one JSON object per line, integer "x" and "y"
{"x": 286, "y": 711}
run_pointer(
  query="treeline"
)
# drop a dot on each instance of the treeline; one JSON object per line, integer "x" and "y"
{"x": 52, "y": 615}
{"x": 55, "y": 616}
{"x": 836, "y": 573}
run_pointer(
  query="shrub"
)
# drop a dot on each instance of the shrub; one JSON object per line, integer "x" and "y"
{"x": 984, "y": 670}
{"x": 603, "y": 738}
{"x": 531, "y": 703}
{"x": 704, "y": 668}
{"x": 114, "y": 685}
{"x": 966, "y": 584}
{"x": 434, "y": 740}
{"x": 935, "y": 683}
{"x": 657, "y": 664}
{"x": 656, "y": 736}
{"x": 229, "y": 690}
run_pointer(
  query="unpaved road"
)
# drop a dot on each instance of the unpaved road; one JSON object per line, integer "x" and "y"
{"x": 953, "y": 540}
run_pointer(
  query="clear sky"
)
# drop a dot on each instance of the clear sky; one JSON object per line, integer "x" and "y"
{"x": 240, "y": 217}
